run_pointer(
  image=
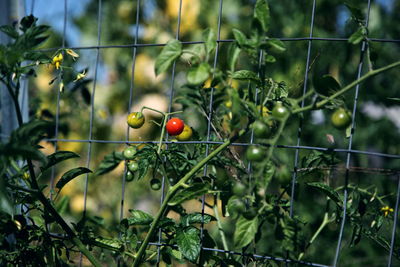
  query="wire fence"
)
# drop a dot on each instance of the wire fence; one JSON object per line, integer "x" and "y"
{"x": 349, "y": 152}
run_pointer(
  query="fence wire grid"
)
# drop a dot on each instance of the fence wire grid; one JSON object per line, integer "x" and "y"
{"x": 310, "y": 39}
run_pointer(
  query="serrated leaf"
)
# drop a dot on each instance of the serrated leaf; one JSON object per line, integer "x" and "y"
{"x": 276, "y": 45}
{"x": 171, "y": 51}
{"x": 328, "y": 191}
{"x": 57, "y": 157}
{"x": 358, "y": 36}
{"x": 246, "y": 75}
{"x": 240, "y": 37}
{"x": 233, "y": 52}
{"x": 139, "y": 217}
{"x": 199, "y": 74}
{"x": 245, "y": 231}
{"x": 71, "y": 174}
{"x": 270, "y": 59}
{"x": 196, "y": 218}
{"x": 326, "y": 85}
{"x": 110, "y": 162}
{"x": 10, "y": 31}
{"x": 210, "y": 39}
{"x": 195, "y": 190}
{"x": 188, "y": 241}
{"x": 261, "y": 13}
{"x": 268, "y": 173}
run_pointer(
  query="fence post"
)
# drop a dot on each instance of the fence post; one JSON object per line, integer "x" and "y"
{"x": 8, "y": 116}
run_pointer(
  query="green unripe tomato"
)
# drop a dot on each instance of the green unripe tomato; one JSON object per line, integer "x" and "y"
{"x": 129, "y": 152}
{"x": 283, "y": 174}
{"x": 341, "y": 118}
{"x": 239, "y": 189}
{"x": 133, "y": 166}
{"x": 155, "y": 184}
{"x": 280, "y": 111}
{"x": 255, "y": 153}
{"x": 129, "y": 176}
{"x": 261, "y": 130}
{"x": 135, "y": 120}
{"x": 237, "y": 206}
{"x": 250, "y": 213}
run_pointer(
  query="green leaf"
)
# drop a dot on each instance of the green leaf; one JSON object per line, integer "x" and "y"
{"x": 195, "y": 190}
{"x": 358, "y": 36}
{"x": 276, "y": 45}
{"x": 268, "y": 173}
{"x": 246, "y": 75}
{"x": 110, "y": 162}
{"x": 139, "y": 217}
{"x": 71, "y": 174}
{"x": 270, "y": 59}
{"x": 245, "y": 231}
{"x": 233, "y": 52}
{"x": 188, "y": 241}
{"x": 5, "y": 201}
{"x": 394, "y": 99}
{"x": 210, "y": 39}
{"x": 328, "y": 191}
{"x": 261, "y": 13}
{"x": 171, "y": 51}
{"x": 326, "y": 85}
{"x": 10, "y": 31}
{"x": 27, "y": 22}
{"x": 240, "y": 37}
{"x": 57, "y": 157}
{"x": 25, "y": 151}
{"x": 62, "y": 204}
{"x": 199, "y": 74}
{"x": 196, "y": 218}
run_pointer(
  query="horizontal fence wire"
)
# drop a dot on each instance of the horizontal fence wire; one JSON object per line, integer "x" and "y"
{"x": 132, "y": 91}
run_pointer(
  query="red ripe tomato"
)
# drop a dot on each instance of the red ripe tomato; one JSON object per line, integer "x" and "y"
{"x": 174, "y": 126}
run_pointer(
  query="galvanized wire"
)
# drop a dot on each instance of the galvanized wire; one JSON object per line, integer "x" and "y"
{"x": 349, "y": 151}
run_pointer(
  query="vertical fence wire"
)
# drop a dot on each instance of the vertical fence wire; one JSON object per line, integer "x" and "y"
{"x": 171, "y": 97}
{"x": 57, "y": 122}
{"x": 353, "y": 119}
{"x": 209, "y": 126}
{"x": 92, "y": 100}
{"x": 131, "y": 88}
{"x": 296, "y": 157}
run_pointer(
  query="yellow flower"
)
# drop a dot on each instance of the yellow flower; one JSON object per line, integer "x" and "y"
{"x": 386, "y": 210}
{"x": 80, "y": 76}
{"x": 57, "y": 60}
{"x": 26, "y": 176}
{"x": 72, "y": 53}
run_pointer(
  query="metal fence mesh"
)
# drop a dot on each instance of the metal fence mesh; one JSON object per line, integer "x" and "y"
{"x": 134, "y": 47}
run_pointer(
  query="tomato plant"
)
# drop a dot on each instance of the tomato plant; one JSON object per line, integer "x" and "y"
{"x": 175, "y": 126}
{"x": 135, "y": 120}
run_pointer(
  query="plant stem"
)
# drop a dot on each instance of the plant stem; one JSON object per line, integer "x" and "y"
{"x": 162, "y": 133}
{"x": 48, "y": 206}
{"x": 369, "y": 74}
{"x": 171, "y": 192}
{"x": 324, "y": 222}
{"x": 220, "y": 228}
